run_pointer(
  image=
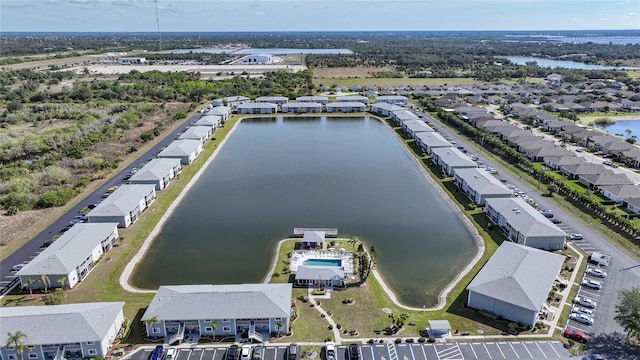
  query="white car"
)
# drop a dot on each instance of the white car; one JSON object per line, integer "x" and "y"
{"x": 581, "y": 300}
{"x": 581, "y": 318}
{"x": 17, "y": 267}
{"x": 591, "y": 284}
{"x": 330, "y": 350}
{"x": 245, "y": 353}
{"x": 581, "y": 310}
{"x": 596, "y": 272}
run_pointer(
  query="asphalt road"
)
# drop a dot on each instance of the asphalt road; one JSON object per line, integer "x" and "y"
{"x": 34, "y": 246}
{"x": 624, "y": 271}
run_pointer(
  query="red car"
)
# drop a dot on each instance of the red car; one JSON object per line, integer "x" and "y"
{"x": 575, "y": 335}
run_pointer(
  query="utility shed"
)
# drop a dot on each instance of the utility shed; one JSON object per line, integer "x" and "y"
{"x": 515, "y": 282}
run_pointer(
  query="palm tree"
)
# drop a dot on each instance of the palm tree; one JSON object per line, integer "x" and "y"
{"x": 154, "y": 320}
{"x": 279, "y": 325}
{"x": 27, "y": 284}
{"x": 16, "y": 340}
{"x": 46, "y": 282}
{"x": 62, "y": 281}
{"x": 214, "y": 325}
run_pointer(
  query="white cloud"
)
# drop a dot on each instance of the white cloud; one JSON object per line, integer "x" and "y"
{"x": 259, "y": 13}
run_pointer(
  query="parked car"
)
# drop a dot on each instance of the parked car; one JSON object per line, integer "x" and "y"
{"x": 574, "y": 236}
{"x": 232, "y": 352}
{"x": 575, "y": 335}
{"x": 581, "y": 310}
{"x": 47, "y": 243}
{"x": 579, "y": 149}
{"x": 171, "y": 353}
{"x": 294, "y": 352}
{"x": 596, "y": 272}
{"x": 581, "y": 318}
{"x": 258, "y": 352}
{"x": 591, "y": 284}
{"x": 330, "y": 350}
{"x": 586, "y": 302}
{"x": 556, "y": 221}
{"x": 157, "y": 353}
{"x": 245, "y": 352}
{"x": 547, "y": 213}
{"x": 17, "y": 267}
{"x": 354, "y": 352}
{"x": 503, "y": 179}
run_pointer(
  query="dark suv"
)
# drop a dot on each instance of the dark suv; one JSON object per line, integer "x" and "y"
{"x": 232, "y": 352}
{"x": 354, "y": 352}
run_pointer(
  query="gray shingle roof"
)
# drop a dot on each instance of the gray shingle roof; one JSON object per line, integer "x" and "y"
{"x": 518, "y": 275}
{"x": 69, "y": 251}
{"x": 60, "y": 324}
{"x": 155, "y": 169}
{"x": 199, "y": 302}
{"x": 123, "y": 200}
{"x": 319, "y": 272}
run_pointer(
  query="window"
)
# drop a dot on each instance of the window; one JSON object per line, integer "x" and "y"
{"x": 208, "y": 329}
{"x": 33, "y": 355}
{"x": 93, "y": 352}
{"x": 226, "y": 320}
{"x": 226, "y": 328}
{"x": 207, "y": 320}
{"x": 10, "y": 347}
{"x": 156, "y": 330}
{"x": 91, "y": 342}
{"x": 11, "y": 356}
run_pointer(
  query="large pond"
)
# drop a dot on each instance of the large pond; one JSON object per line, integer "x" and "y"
{"x": 620, "y": 127}
{"x": 519, "y": 60}
{"x": 276, "y": 174}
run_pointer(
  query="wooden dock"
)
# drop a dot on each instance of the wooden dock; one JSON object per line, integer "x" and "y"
{"x": 330, "y": 233}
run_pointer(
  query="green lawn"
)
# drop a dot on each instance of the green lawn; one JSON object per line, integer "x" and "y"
{"x": 348, "y": 82}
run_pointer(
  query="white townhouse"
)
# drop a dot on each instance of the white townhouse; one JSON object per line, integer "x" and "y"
{"x": 124, "y": 205}
{"x": 450, "y": 159}
{"x": 428, "y": 141}
{"x": 353, "y": 98}
{"x": 384, "y": 109}
{"x": 402, "y": 115}
{"x": 393, "y": 99}
{"x": 70, "y": 258}
{"x": 223, "y": 111}
{"x": 184, "y": 150}
{"x": 313, "y": 99}
{"x": 213, "y": 121}
{"x": 479, "y": 185}
{"x": 202, "y": 133}
{"x": 257, "y": 310}
{"x": 257, "y": 108}
{"x": 415, "y": 126}
{"x": 515, "y": 283}
{"x": 158, "y": 172}
{"x": 346, "y": 107}
{"x": 278, "y": 100}
{"x": 306, "y": 107}
{"x": 523, "y": 224}
{"x": 83, "y": 330}
{"x": 231, "y": 101}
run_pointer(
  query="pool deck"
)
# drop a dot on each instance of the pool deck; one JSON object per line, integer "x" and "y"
{"x": 300, "y": 256}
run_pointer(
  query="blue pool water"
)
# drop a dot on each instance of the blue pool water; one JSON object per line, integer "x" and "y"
{"x": 323, "y": 262}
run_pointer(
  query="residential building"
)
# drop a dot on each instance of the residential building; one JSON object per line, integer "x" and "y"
{"x": 254, "y": 309}
{"x": 633, "y": 205}
{"x": 184, "y": 150}
{"x": 450, "y": 159}
{"x": 523, "y": 224}
{"x": 223, "y": 111}
{"x": 158, "y": 172}
{"x": 431, "y": 140}
{"x": 414, "y": 126}
{"x": 402, "y": 115}
{"x": 313, "y": 239}
{"x": 70, "y": 258}
{"x": 595, "y": 181}
{"x": 83, "y": 330}
{"x": 257, "y": 108}
{"x": 346, "y": 107}
{"x": 202, "y": 133}
{"x": 305, "y": 107}
{"x": 479, "y": 185}
{"x": 313, "y": 99}
{"x": 213, "y": 121}
{"x": 515, "y": 283}
{"x": 384, "y": 109}
{"x": 278, "y": 100}
{"x": 572, "y": 172}
{"x": 353, "y": 98}
{"x": 619, "y": 193}
{"x": 393, "y": 99}
{"x": 124, "y": 205}
{"x": 320, "y": 276}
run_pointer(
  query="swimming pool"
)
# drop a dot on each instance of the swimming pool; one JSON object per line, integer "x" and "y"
{"x": 323, "y": 262}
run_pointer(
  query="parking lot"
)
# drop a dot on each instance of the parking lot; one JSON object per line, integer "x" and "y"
{"x": 521, "y": 350}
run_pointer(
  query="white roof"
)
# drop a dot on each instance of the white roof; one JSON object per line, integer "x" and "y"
{"x": 195, "y": 132}
{"x": 319, "y": 272}
{"x": 181, "y": 148}
{"x": 210, "y": 120}
{"x": 524, "y": 218}
{"x": 416, "y": 125}
{"x": 518, "y": 275}
{"x": 123, "y": 200}
{"x": 482, "y": 182}
{"x": 69, "y": 251}
{"x": 155, "y": 169}
{"x": 346, "y": 104}
{"x": 260, "y": 105}
{"x": 432, "y": 139}
{"x": 301, "y": 105}
{"x": 199, "y": 302}
{"x": 313, "y": 236}
{"x": 386, "y": 106}
{"x": 60, "y": 324}
{"x": 453, "y": 157}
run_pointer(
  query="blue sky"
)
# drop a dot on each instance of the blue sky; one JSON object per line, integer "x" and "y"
{"x": 317, "y": 15}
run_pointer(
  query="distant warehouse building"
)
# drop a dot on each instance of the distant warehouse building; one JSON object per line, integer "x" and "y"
{"x": 346, "y": 107}
{"x": 307, "y": 107}
{"x": 523, "y": 224}
{"x": 257, "y": 108}
{"x": 157, "y": 172}
{"x": 515, "y": 283}
{"x": 124, "y": 206}
{"x": 69, "y": 259}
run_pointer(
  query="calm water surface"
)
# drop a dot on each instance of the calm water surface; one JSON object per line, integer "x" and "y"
{"x": 619, "y": 128}
{"x": 563, "y": 64}
{"x": 274, "y": 175}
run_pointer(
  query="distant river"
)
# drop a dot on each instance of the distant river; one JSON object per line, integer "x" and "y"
{"x": 276, "y": 174}
{"x": 562, "y": 63}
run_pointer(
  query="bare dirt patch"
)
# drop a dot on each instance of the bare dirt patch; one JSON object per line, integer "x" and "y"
{"x": 19, "y": 225}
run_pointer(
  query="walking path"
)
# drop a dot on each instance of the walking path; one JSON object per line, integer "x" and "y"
{"x": 128, "y": 270}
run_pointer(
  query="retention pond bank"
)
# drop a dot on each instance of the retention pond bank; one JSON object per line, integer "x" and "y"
{"x": 275, "y": 174}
